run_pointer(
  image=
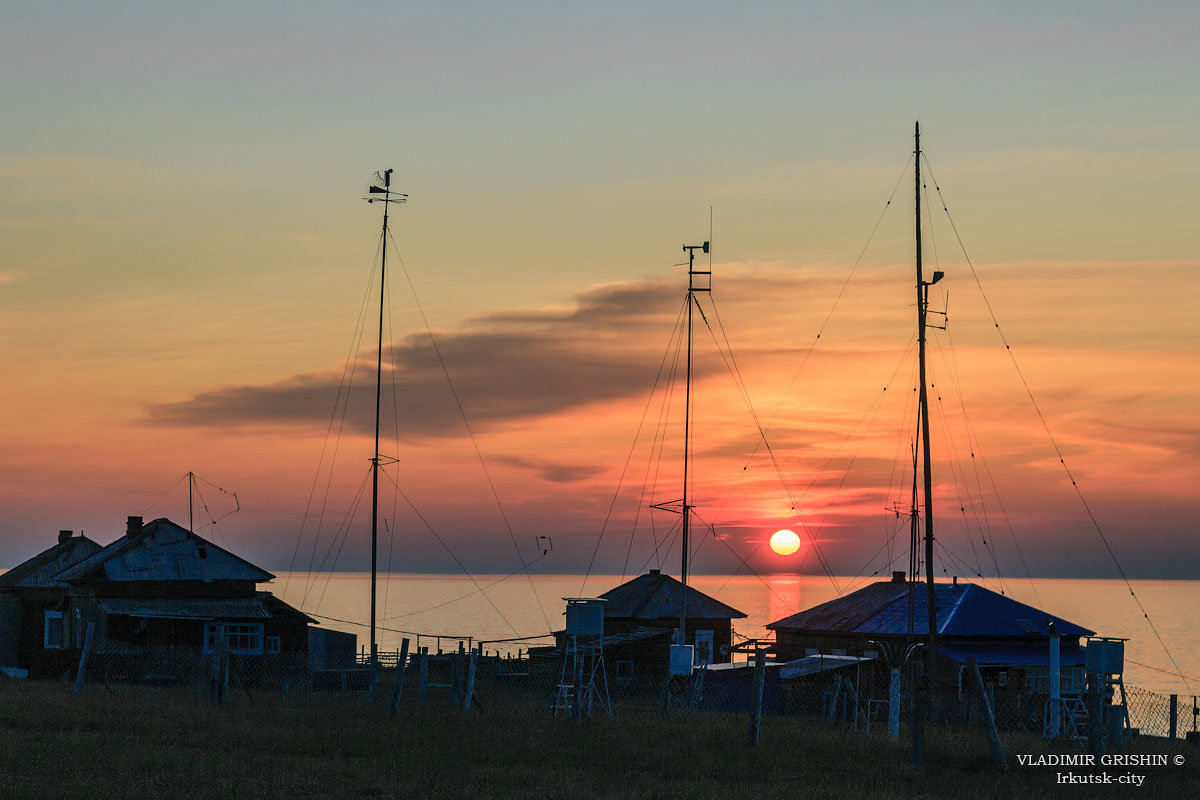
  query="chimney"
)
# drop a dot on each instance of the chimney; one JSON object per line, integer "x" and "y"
{"x": 656, "y": 572}
{"x": 898, "y": 576}
{"x": 133, "y": 526}
{"x": 64, "y": 536}
{"x": 956, "y": 580}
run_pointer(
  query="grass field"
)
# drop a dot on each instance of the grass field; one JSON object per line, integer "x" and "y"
{"x": 173, "y": 743}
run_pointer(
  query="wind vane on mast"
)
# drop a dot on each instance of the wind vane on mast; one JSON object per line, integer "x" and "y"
{"x": 388, "y": 198}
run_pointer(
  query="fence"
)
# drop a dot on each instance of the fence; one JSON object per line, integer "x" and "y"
{"x": 851, "y": 700}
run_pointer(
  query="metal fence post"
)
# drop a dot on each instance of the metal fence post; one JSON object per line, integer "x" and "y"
{"x": 894, "y": 704}
{"x": 756, "y": 703}
{"x": 423, "y": 676}
{"x": 1174, "y": 718}
{"x": 471, "y": 666}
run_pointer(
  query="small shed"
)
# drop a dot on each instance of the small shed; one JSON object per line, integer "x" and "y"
{"x": 641, "y": 616}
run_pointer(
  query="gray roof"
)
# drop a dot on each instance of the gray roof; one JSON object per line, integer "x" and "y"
{"x": 811, "y": 665}
{"x": 655, "y": 596}
{"x": 164, "y": 551}
{"x": 962, "y": 609}
{"x": 41, "y": 570}
{"x": 205, "y": 608}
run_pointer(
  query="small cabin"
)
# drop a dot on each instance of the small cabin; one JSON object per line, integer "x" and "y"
{"x": 31, "y": 607}
{"x": 641, "y": 617}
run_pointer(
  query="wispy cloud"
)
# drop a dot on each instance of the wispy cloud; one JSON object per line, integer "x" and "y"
{"x": 552, "y": 471}
{"x": 504, "y": 367}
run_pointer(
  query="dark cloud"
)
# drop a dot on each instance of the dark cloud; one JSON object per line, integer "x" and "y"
{"x": 552, "y": 471}
{"x": 504, "y": 367}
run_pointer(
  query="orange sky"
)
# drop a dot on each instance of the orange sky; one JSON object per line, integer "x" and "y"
{"x": 185, "y": 252}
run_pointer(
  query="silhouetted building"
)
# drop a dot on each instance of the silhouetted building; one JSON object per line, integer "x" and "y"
{"x": 159, "y": 587}
{"x": 1009, "y": 640}
{"x": 32, "y": 607}
{"x": 640, "y": 620}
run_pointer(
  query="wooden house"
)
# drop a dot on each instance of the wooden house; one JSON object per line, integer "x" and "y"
{"x": 32, "y": 621}
{"x": 640, "y": 620}
{"x": 158, "y": 588}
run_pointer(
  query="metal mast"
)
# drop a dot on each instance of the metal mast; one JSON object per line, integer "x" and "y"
{"x": 388, "y": 198}
{"x": 922, "y": 311}
{"x": 687, "y": 422}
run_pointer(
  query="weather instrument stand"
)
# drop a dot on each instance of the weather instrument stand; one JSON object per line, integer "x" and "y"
{"x": 583, "y": 680}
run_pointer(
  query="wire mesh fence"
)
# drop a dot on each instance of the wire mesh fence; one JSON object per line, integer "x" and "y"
{"x": 849, "y": 701}
{"x": 1149, "y": 712}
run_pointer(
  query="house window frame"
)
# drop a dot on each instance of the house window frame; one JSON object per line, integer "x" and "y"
{"x": 239, "y": 646}
{"x": 62, "y": 630}
{"x": 272, "y": 645}
{"x": 623, "y": 665}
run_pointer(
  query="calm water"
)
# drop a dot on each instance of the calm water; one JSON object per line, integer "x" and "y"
{"x": 520, "y": 606}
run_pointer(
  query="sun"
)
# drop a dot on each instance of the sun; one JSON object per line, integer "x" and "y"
{"x": 785, "y": 542}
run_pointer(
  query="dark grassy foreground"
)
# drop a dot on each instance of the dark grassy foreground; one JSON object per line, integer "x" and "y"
{"x": 169, "y": 743}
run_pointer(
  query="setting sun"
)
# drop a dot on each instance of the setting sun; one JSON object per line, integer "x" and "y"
{"x": 785, "y": 542}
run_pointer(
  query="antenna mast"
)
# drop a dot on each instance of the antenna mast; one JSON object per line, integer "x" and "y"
{"x": 922, "y": 310}
{"x": 388, "y": 198}
{"x": 687, "y": 421}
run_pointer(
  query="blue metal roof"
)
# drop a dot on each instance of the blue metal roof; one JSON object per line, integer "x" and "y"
{"x": 962, "y": 609}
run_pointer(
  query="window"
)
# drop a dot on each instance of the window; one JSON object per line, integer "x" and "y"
{"x": 242, "y": 638}
{"x": 624, "y": 670}
{"x": 52, "y": 634}
{"x": 77, "y": 629}
{"x": 273, "y": 644}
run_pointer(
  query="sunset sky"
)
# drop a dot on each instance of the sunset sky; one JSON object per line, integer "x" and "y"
{"x": 186, "y": 251}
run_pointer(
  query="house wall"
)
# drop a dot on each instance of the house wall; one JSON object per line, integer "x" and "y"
{"x": 10, "y": 630}
{"x": 722, "y": 634}
{"x": 794, "y": 644}
{"x": 31, "y": 651}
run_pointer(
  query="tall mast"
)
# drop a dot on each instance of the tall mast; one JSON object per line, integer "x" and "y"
{"x": 388, "y": 198}
{"x": 687, "y": 422}
{"x": 191, "y": 488}
{"x": 922, "y": 304}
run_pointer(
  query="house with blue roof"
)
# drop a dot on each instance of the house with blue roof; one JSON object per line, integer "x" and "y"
{"x": 1009, "y": 640}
